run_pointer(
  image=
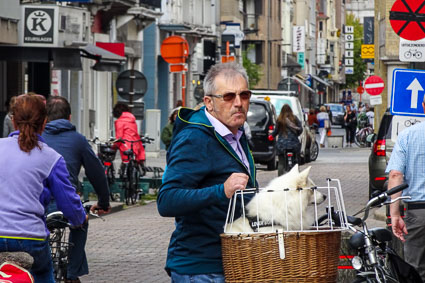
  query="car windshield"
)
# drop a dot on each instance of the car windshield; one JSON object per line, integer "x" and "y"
{"x": 279, "y": 102}
{"x": 257, "y": 116}
{"x": 336, "y": 108}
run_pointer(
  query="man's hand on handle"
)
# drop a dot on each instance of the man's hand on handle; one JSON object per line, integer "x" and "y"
{"x": 97, "y": 210}
{"x": 236, "y": 181}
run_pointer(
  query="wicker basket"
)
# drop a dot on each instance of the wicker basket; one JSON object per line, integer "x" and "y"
{"x": 309, "y": 257}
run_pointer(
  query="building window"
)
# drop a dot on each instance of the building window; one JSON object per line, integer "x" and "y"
{"x": 254, "y": 51}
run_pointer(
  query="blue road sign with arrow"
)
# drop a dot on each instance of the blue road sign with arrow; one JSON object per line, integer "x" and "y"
{"x": 407, "y": 92}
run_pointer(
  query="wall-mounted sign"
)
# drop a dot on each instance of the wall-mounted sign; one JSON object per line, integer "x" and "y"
{"x": 349, "y": 53}
{"x": 368, "y": 30}
{"x": 298, "y": 36}
{"x": 349, "y": 70}
{"x": 349, "y": 29}
{"x": 412, "y": 51}
{"x": 349, "y": 37}
{"x": 349, "y": 45}
{"x": 349, "y": 62}
{"x": 39, "y": 25}
{"x": 368, "y": 51}
{"x": 235, "y": 30}
{"x": 349, "y": 50}
{"x": 300, "y": 59}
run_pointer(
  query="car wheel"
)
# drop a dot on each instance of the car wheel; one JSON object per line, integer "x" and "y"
{"x": 271, "y": 165}
{"x": 314, "y": 151}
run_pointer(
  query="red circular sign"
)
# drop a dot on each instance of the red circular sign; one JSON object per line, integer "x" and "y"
{"x": 360, "y": 89}
{"x": 175, "y": 49}
{"x": 374, "y": 85}
{"x": 407, "y": 19}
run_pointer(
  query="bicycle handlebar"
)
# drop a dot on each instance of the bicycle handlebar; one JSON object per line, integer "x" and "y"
{"x": 381, "y": 198}
{"x": 142, "y": 139}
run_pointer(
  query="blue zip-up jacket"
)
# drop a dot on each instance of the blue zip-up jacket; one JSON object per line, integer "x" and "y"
{"x": 199, "y": 161}
{"x": 27, "y": 183}
{"x": 61, "y": 135}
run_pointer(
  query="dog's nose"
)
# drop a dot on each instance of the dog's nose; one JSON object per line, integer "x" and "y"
{"x": 324, "y": 197}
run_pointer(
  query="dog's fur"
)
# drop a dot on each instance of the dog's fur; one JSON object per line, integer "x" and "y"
{"x": 274, "y": 203}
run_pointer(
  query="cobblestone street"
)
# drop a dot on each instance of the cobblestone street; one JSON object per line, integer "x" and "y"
{"x": 131, "y": 245}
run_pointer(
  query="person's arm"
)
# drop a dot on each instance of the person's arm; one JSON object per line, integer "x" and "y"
{"x": 95, "y": 173}
{"x": 119, "y": 133}
{"x": 396, "y": 168}
{"x": 64, "y": 193}
{"x": 298, "y": 128}
{"x": 188, "y": 164}
{"x": 397, "y": 223}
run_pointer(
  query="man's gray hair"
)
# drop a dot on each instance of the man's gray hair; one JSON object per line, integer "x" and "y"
{"x": 229, "y": 70}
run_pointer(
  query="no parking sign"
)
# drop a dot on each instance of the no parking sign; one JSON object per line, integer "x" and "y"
{"x": 407, "y": 18}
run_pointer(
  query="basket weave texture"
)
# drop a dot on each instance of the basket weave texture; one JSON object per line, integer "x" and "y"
{"x": 309, "y": 257}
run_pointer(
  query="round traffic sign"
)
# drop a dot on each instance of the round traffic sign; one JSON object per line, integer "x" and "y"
{"x": 407, "y": 18}
{"x": 175, "y": 49}
{"x": 374, "y": 85}
{"x": 360, "y": 89}
{"x": 131, "y": 82}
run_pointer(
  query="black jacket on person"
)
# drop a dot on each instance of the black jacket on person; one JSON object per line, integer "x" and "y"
{"x": 288, "y": 140}
{"x": 351, "y": 121}
{"x": 63, "y": 138}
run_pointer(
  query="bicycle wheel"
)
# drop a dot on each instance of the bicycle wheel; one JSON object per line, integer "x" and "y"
{"x": 134, "y": 185}
{"x": 128, "y": 186}
{"x": 59, "y": 248}
{"x": 111, "y": 180}
{"x": 360, "y": 138}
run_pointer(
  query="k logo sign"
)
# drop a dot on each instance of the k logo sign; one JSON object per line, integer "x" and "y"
{"x": 39, "y": 24}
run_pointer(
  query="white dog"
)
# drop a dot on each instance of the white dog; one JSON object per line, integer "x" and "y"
{"x": 283, "y": 202}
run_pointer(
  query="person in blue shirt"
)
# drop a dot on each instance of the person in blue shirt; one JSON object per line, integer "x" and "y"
{"x": 407, "y": 165}
{"x": 61, "y": 135}
{"x": 207, "y": 161}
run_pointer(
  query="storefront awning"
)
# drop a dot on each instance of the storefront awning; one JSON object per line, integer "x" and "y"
{"x": 321, "y": 81}
{"x": 105, "y": 60}
{"x": 303, "y": 84}
{"x": 97, "y": 53}
{"x": 63, "y": 58}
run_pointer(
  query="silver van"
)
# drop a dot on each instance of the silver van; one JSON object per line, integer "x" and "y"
{"x": 309, "y": 145}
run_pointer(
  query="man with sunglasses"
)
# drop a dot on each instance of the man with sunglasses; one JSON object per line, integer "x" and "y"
{"x": 207, "y": 161}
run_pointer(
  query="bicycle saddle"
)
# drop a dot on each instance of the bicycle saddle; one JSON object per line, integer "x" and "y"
{"x": 56, "y": 220}
{"x": 128, "y": 152}
{"x": 380, "y": 234}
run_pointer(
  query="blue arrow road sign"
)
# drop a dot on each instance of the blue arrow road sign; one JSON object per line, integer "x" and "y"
{"x": 407, "y": 92}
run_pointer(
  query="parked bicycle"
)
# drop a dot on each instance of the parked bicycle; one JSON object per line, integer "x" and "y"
{"x": 361, "y": 135}
{"x": 131, "y": 171}
{"x": 106, "y": 152}
{"x": 59, "y": 241}
{"x": 375, "y": 260}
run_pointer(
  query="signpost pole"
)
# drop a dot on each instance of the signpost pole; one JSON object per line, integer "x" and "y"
{"x": 131, "y": 93}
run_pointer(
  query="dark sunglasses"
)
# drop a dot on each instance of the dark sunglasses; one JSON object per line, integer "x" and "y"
{"x": 230, "y": 96}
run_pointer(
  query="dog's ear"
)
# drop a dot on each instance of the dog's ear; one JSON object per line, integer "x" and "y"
{"x": 302, "y": 179}
{"x": 295, "y": 169}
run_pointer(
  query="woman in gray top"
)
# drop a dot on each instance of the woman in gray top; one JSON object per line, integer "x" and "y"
{"x": 7, "y": 123}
